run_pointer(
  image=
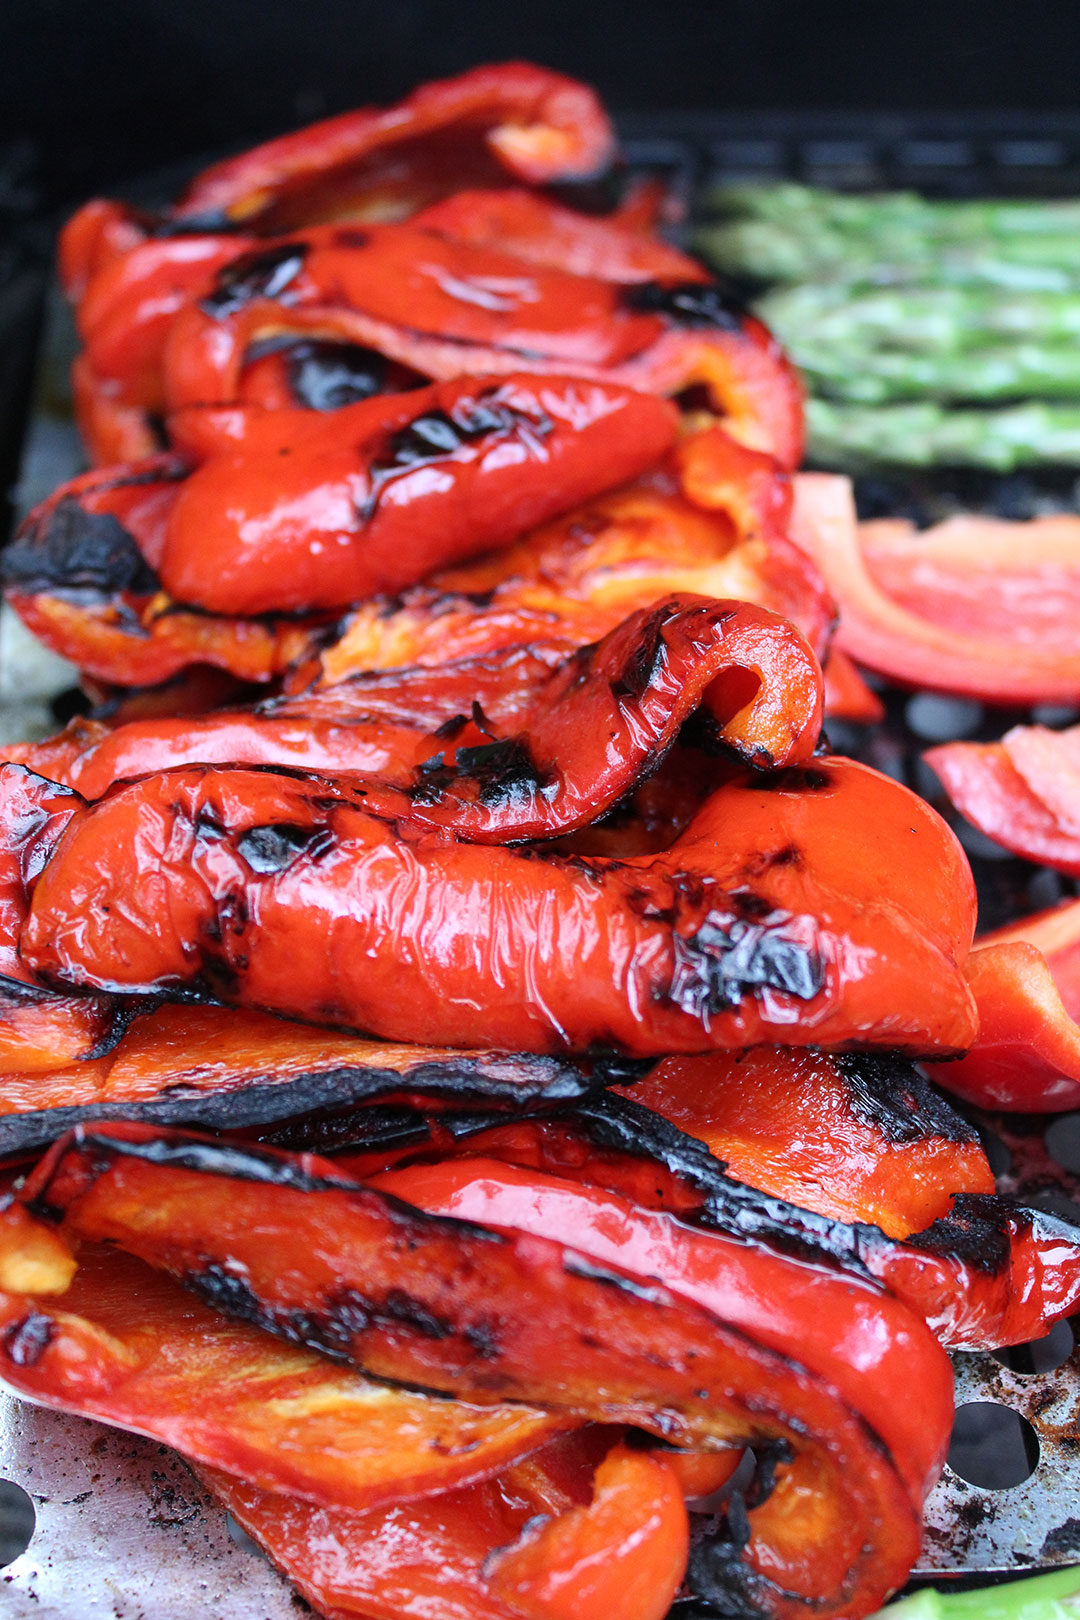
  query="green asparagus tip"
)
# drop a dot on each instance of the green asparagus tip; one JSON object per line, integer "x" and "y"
{"x": 1043, "y": 1597}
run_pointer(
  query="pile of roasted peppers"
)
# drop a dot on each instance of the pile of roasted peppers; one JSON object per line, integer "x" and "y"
{"x": 458, "y": 1018}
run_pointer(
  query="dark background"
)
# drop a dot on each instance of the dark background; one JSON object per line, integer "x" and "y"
{"x": 108, "y": 89}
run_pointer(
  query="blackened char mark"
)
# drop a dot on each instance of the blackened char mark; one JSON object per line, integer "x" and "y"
{"x": 505, "y": 773}
{"x": 325, "y": 375}
{"x": 646, "y": 661}
{"x": 692, "y": 304}
{"x": 729, "y": 958}
{"x": 69, "y": 548}
{"x": 718, "y": 1579}
{"x": 437, "y": 435}
{"x": 975, "y": 1233}
{"x": 264, "y": 273}
{"x": 26, "y": 1340}
{"x": 888, "y": 1092}
{"x": 273, "y": 849}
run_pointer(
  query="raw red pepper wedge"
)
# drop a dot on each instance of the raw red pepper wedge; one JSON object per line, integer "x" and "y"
{"x": 589, "y": 729}
{"x": 1023, "y": 792}
{"x": 487, "y": 1314}
{"x": 767, "y": 920}
{"x": 125, "y": 1345}
{"x": 444, "y": 1546}
{"x": 535, "y": 228}
{"x": 377, "y": 495}
{"x": 447, "y": 308}
{"x": 961, "y": 608}
{"x": 1026, "y": 983}
{"x": 527, "y": 121}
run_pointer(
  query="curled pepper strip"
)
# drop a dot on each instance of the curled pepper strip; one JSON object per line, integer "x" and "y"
{"x": 520, "y": 1545}
{"x": 486, "y": 1315}
{"x": 537, "y": 125}
{"x": 1023, "y": 792}
{"x": 756, "y": 925}
{"x": 447, "y": 308}
{"x": 577, "y": 737}
{"x": 961, "y": 608}
{"x": 125, "y": 1345}
{"x": 1026, "y": 984}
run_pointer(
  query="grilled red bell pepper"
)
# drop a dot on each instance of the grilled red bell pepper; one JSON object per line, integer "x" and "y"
{"x": 313, "y": 511}
{"x": 515, "y": 1546}
{"x": 513, "y": 117}
{"x": 858, "y": 1136}
{"x": 486, "y": 1315}
{"x": 772, "y": 918}
{"x": 533, "y": 227}
{"x": 1026, "y": 984}
{"x": 446, "y": 308}
{"x": 1023, "y": 792}
{"x": 125, "y": 1345}
{"x": 593, "y": 726}
{"x": 965, "y": 607}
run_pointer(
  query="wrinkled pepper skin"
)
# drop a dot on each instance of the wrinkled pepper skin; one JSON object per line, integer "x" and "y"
{"x": 534, "y": 228}
{"x": 1026, "y": 984}
{"x": 1023, "y": 792}
{"x": 125, "y": 1345}
{"x": 523, "y": 1316}
{"x": 318, "y": 511}
{"x": 515, "y": 1546}
{"x": 591, "y": 728}
{"x": 962, "y": 608}
{"x": 446, "y": 309}
{"x": 759, "y": 924}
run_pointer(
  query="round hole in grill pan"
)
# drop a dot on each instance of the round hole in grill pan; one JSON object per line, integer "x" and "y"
{"x": 1041, "y": 1355}
{"x": 992, "y": 1446}
{"x": 935, "y": 718}
{"x": 17, "y": 1520}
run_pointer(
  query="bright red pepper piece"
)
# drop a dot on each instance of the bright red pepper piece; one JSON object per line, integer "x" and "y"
{"x": 1023, "y": 792}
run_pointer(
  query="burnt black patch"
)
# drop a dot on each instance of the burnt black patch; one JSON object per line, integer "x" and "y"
{"x": 729, "y": 958}
{"x": 69, "y": 548}
{"x": 647, "y": 660}
{"x": 26, "y": 1340}
{"x": 692, "y": 304}
{"x": 888, "y": 1092}
{"x": 505, "y": 773}
{"x": 1064, "y": 1538}
{"x": 400, "y": 1306}
{"x": 794, "y": 779}
{"x": 325, "y": 375}
{"x": 273, "y": 849}
{"x": 975, "y": 1233}
{"x": 717, "y": 1574}
{"x": 263, "y": 273}
{"x": 438, "y": 435}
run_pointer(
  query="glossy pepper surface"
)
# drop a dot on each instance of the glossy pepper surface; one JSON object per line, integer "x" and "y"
{"x": 756, "y": 925}
{"x": 1023, "y": 792}
{"x": 563, "y": 1324}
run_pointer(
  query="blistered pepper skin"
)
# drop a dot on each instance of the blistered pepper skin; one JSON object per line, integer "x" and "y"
{"x": 758, "y": 924}
{"x": 326, "y": 510}
{"x": 521, "y": 1315}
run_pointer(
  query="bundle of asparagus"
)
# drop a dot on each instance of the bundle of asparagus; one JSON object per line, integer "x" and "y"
{"x": 956, "y": 321}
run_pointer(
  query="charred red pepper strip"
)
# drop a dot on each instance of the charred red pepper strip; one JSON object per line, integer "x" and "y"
{"x": 216, "y": 1067}
{"x": 1026, "y": 983}
{"x": 111, "y": 431}
{"x": 859, "y": 1137}
{"x": 321, "y": 510}
{"x": 941, "y": 608}
{"x": 1023, "y": 792}
{"x": 127, "y": 1346}
{"x": 577, "y": 578}
{"x": 758, "y": 924}
{"x": 626, "y": 1550}
{"x": 448, "y": 309}
{"x": 847, "y": 696}
{"x": 533, "y": 227}
{"x": 538, "y": 125}
{"x": 588, "y": 730}
{"x": 485, "y": 1314}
